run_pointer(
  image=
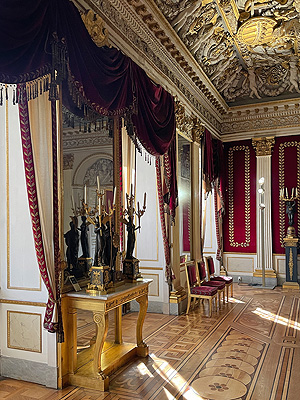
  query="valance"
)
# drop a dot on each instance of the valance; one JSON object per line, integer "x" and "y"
{"x": 33, "y": 38}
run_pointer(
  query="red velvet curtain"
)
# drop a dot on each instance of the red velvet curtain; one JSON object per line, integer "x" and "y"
{"x": 208, "y": 166}
{"x": 100, "y": 80}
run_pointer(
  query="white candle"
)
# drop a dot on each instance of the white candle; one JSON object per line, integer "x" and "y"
{"x": 286, "y": 192}
{"x": 296, "y": 192}
{"x": 99, "y": 205}
{"x": 98, "y": 183}
{"x": 292, "y": 192}
{"x": 72, "y": 201}
{"x": 85, "y": 196}
{"x": 145, "y": 200}
{"x": 114, "y": 199}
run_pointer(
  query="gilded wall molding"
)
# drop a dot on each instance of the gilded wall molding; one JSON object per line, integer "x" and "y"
{"x": 138, "y": 35}
{"x": 68, "y": 161}
{"x": 232, "y": 240}
{"x": 263, "y": 146}
{"x": 282, "y": 185}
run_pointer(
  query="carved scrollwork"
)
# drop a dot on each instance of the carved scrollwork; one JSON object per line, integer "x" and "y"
{"x": 68, "y": 161}
{"x": 95, "y": 27}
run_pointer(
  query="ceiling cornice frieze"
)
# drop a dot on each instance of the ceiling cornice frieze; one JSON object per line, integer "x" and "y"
{"x": 75, "y": 139}
{"x": 280, "y": 117}
{"x": 120, "y": 16}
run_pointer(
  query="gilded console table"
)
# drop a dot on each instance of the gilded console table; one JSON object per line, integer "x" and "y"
{"x": 90, "y": 367}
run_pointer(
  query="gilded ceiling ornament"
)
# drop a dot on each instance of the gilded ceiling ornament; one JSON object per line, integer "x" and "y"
{"x": 263, "y": 146}
{"x": 282, "y": 184}
{"x": 257, "y": 31}
{"x": 95, "y": 27}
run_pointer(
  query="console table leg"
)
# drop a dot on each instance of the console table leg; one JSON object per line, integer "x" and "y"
{"x": 101, "y": 321}
{"x": 118, "y": 325}
{"x": 143, "y": 349}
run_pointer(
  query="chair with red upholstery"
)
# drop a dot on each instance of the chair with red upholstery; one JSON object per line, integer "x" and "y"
{"x": 218, "y": 284}
{"x": 211, "y": 276}
{"x": 195, "y": 291}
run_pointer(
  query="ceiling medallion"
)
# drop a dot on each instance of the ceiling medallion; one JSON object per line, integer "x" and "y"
{"x": 257, "y": 31}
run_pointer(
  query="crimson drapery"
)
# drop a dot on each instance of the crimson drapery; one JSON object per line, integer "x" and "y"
{"x": 208, "y": 165}
{"x": 101, "y": 80}
{"x": 33, "y": 203}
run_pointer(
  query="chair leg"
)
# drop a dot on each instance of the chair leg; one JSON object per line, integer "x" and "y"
{"x": 231, "y": 289}
{"x": 219, "y": 298}
{"x": 210, "y": 307}
{"x": 224, "y": 296}
{"x": 188, "y": 305}
{"x": 216, "y": 304}
{"x": 227, "y": 292}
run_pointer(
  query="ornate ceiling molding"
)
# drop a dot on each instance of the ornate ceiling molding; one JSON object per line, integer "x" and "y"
{"x": 263, "y": 146}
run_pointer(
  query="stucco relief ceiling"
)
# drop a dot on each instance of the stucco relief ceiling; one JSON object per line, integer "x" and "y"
{"x": 248, "y": 48}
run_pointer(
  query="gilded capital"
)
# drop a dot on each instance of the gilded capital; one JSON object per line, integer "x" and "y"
{"x": 197, "y": 130}
{"x": 68, "y": 161}
{"x": 184, "y": 122}
{"x": 263, "y": 146}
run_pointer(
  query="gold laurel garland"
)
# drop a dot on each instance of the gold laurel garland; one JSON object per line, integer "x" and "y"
{"x": 232, "y": 242}
{"x": 282, "y": 147}
{"x": 291, "y": 264}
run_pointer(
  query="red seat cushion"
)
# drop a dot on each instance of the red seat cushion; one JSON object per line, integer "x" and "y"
{"x": 226, "y": 279}
{"x": 218, "y": 284}
{"x": 204, "y": 290}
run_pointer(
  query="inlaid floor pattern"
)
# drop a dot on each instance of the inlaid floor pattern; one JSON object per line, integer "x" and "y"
{"x": 250, "y": 349}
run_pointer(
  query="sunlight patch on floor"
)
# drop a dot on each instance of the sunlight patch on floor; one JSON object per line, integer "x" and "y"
{"x": 276, "y": 318}
{"x": 143, "y": 370}
{"x": 233, "y": 300}
{"x": 170, "y": 375}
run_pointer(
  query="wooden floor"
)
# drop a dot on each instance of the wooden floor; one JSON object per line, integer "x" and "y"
{"x": 248, "y": 350}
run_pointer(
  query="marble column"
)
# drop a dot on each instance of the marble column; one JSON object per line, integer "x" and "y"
{"x": 263, "y": 148}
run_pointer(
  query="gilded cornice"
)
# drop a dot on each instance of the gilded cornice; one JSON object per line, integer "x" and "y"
{"x": 130, "y": 32}
{"x": 263, "y": 146}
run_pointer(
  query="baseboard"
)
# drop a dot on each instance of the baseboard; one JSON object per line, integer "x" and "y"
{"x": 29, "y": 371}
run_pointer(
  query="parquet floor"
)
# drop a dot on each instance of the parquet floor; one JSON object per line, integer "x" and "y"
{"x": 248, "y": 350}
